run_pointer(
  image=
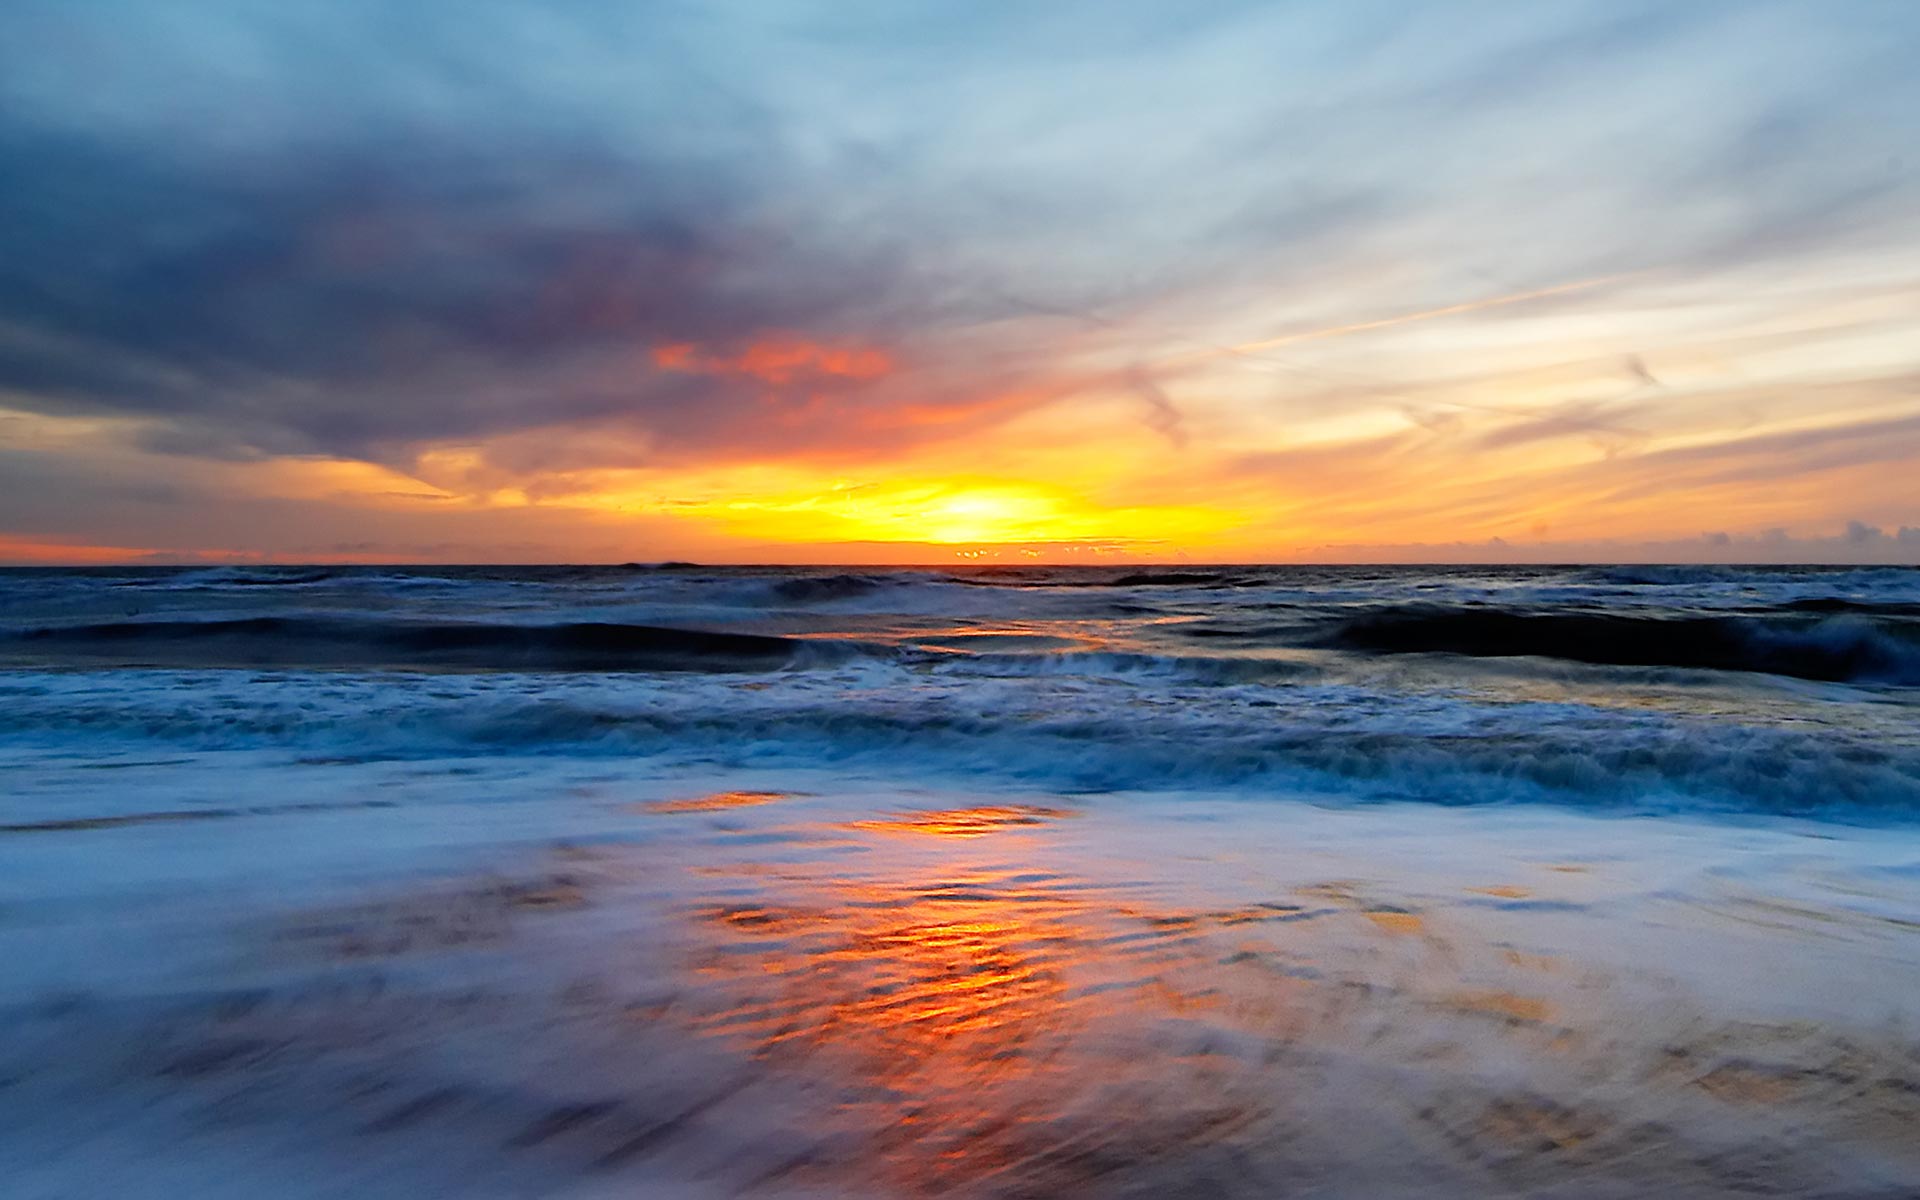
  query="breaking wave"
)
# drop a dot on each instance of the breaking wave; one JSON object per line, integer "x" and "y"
{"x": 1067, "y": 733}
{"x": 1246, "y": 681}
{"x": 314, "y": 642}
{"x": 1846, "y": 649}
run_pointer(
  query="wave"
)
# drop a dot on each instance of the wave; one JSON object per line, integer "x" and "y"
{"x": 1124, "y": 665}
{"x": 1837, "y": 604}
{"x": 319, "y": 642}
{"x": 1332, "y": 742}
{"x": 295, "y": 642}
{"x": 1848, "y": 647}
{"x": 223, "y": 577}
{"x": 1100, "y": 577}
{"x": 1173, "y": 579}
{"x": 1842, "y": 649}
{"x": 809, "y": 589}
{"x": 1665, "y": 574}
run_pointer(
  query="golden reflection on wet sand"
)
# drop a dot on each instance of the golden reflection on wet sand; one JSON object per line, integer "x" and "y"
{"x": 1502, "y": 892}
{"x": 1013, "y": 1030}
{"x": 998, "y": 1006}
{"x": 972, "y": 1019}
{"x": 980, "y": 1028}
{"x": 713, "y": 802}
{"x": 977, "y": 821}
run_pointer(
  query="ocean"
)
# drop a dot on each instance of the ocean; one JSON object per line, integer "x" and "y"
{"x": 673, "y": 880}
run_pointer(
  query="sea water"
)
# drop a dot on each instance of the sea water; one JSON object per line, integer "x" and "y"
{"x": 673, "y": 880}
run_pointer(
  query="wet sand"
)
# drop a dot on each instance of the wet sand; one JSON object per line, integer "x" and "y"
{"x": 761, "y": 987}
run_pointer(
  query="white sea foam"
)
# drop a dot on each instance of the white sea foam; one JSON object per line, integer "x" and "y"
{"x": 1074, "y": 722}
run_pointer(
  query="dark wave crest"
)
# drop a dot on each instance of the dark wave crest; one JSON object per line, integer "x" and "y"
{"x": 306, "y": 642}
{"x": 1173, "y": 579}
{"x": 231, "y": 577}
{"x": 809, "y": 589}
{"x": 1840, "y": 649}
{"x": 1837, "y": 604}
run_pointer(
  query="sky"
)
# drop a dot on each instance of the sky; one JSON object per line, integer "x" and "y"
{"x": 884, "y": 281}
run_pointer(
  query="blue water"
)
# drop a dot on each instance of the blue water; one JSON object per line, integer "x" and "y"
{"x": 1236, "y": 882}
{"x": 1769, "y": 690}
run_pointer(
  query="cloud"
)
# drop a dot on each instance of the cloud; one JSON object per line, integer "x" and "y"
{"x": 1163, "y": 416}
{"x": 1599, "y": 420}
{"x": 506, "y": 246}
{"x": 778, "y": 359}
{"x": 1764, "y": 457}
{"x": 1857, "y": 544}
{"x": 447, "y": 240}
{"x": 396, "y": 293}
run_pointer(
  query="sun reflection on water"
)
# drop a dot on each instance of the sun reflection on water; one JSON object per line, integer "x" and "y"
{"x": 984, "y": 1001}
{"x": 972, "y": 822}
{"x": 985, "y": 1021}
{"x": 714, "y": 802}
{"x": 980, "y": 1000}
{"x": 972, "y": 1017}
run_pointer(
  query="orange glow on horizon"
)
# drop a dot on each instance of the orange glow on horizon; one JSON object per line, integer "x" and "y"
{"x": 973, "y": 822}
{"x": 795, "y": 504}
{"x": 36, "y": 552}
{"x": 1427, "y": 434}
{"x": 33, "y": 552}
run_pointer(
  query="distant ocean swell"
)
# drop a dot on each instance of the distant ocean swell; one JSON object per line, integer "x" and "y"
{"x": 807, "y": 585}
{"x": 1850, "y": 647}
{"x": 308, "y": 642}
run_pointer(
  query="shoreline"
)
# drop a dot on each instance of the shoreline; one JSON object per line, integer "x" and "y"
{"x": 714, "y": 982}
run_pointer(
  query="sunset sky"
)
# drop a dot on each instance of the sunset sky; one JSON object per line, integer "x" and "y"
{"x": 927, "y": 282}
